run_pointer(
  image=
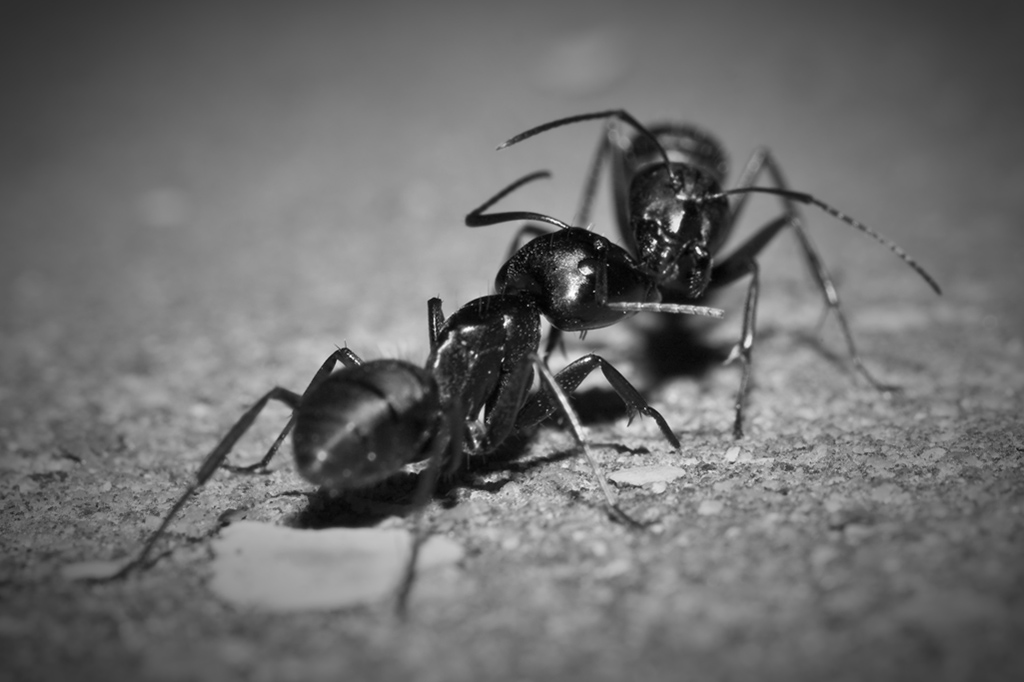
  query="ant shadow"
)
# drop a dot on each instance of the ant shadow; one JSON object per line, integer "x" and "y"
{"x": 396, "y": 495}
{"x": 672, "y": 349}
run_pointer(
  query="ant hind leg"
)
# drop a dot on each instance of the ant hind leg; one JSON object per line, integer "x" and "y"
{"x": 213, "y": 461}
{"x": 342, "y": 355}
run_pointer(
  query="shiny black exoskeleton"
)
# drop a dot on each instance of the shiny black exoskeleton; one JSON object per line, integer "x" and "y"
{"x": 579, "y": 279}
{"x": 667, "y": 184}
{"x": 359, "y": 425}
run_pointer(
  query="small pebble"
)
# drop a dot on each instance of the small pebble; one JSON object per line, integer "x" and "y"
{"x": 815, "y": 455}
{"x": 281, "y": 569}
{"x": 932, "y": 455}
{"x": 639, "y": 476}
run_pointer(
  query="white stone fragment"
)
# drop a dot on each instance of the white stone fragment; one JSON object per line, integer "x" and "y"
{"x": 276, "y": 568}
{"x": 638, "y": 476}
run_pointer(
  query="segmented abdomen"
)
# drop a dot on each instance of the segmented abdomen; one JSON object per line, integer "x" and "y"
{"x": 362, "y": 424}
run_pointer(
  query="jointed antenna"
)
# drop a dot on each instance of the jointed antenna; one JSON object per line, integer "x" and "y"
{"x": 620, "y": 114}
{"x": 805, "y": 198}
{"x": 476, "y": 218}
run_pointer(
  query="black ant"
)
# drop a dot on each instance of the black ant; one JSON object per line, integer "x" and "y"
{"x": 675, "y": 217}
{"x": 360, "y": 425}
{"x": 579, "y": 279}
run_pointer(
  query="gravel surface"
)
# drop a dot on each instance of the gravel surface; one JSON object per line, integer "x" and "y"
{"x": 201, "y": 201}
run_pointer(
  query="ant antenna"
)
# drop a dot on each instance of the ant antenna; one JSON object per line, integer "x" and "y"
{"x": 620, "y": 114}
{"x": 476, "y": 218}
{"x": 805, "y": 198}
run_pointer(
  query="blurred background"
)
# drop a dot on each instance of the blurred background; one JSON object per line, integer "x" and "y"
{"x": 310, "y": 164}
{"x": 200, "y": 200}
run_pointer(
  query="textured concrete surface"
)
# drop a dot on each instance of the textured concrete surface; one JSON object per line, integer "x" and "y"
{"x": 200, "y": 201}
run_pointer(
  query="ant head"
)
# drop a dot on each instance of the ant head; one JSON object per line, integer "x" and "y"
{"x": 572, "y": 275}
{"x": 673, "y": 229}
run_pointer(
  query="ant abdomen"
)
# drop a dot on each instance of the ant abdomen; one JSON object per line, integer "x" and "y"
{"x": 362, "y": 424}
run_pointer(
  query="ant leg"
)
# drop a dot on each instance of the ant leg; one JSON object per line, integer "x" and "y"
{"x": 569, "y": 379}
{"x": 450, "y": 446}
{"x": 342, "y": 355}
{"x": 740, "y": 263}
{"x": 501, "y": 418}
{"x": 558, "y": 395}
{"x": 744, "y": 348}
{"x": 212, "y": 462}
{"x": 500, "y": 414}
{"x": 748, "y": 178}
{"x": 763, "y": 161}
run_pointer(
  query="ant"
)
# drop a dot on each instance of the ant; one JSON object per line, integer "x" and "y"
{"x": 579, "y": 279}
{"x": 675, "y": 217}
{"x": 357, "y": 426}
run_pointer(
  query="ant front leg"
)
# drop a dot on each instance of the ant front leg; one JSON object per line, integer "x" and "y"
{"x": 763, "y": 161}
{"x": 569, "y": 379}
{"x": 342, "y": 355}
{"x": 499, "y": 420}
{"x": 556, "y": 393}
{"x": 743, "y": 350}
{"x": 740, "y": 263}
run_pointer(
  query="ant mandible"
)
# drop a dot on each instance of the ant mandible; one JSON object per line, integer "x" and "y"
{"x": 667, "y": 184}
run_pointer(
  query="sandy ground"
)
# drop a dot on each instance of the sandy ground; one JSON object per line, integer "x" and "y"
{"x": 199, "y": 202}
